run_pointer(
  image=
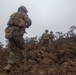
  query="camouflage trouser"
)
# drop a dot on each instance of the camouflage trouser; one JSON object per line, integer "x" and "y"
{"x": 45, "y": 42}
{"x": 16, "y": 44}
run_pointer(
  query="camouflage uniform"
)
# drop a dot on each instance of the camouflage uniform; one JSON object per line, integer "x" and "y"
{"x": 51, "y": 35}
{"x": 45, "y": 38}
{"x": 17, "y": 43}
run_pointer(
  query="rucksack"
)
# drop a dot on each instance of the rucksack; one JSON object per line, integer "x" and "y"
{"x": 8, "y": 32}
{"x": 16, "y": 19}
{"x": 45, "y": 36}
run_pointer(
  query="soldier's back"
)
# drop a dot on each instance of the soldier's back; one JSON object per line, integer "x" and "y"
{"x": 45, "y": 36}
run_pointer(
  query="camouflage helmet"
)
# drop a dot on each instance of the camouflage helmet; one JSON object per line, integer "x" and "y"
{"x": 23, "y": 8}
{"x": 46, "y": 30}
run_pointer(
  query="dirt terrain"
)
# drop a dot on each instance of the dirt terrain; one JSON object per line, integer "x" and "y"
{"x": 56, "y": 59}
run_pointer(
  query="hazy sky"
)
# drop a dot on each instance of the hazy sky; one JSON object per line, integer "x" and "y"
{"x": 54, "y": 15}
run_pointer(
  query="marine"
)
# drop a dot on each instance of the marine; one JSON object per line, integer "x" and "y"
{"x": 17, "y": 24}
{"x": 45, "y": 38}
{"x": 51, "y": 35}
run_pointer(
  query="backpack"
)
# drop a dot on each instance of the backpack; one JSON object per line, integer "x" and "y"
{"x": 45, "y": 36}
{"x": 8, "y": 32}
{"x": 16, "y": 19}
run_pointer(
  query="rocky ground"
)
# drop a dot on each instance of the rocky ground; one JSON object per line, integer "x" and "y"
{"x": 56, "y": 59}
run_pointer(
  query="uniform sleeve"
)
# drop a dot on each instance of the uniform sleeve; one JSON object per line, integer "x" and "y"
{"x": 27, "y": 20}
{"x": 42, "y": 36}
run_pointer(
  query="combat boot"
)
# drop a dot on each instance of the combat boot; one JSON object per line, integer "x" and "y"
{"x": 8, "y": 67}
